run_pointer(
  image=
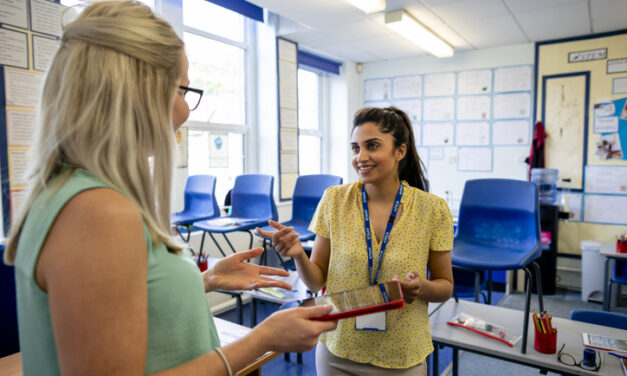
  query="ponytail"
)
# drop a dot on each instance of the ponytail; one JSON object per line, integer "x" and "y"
{"x": 394, "y": 121}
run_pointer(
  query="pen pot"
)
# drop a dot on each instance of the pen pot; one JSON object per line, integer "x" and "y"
{"x": 621, "y": 247}
{"x": 545, "y": 342}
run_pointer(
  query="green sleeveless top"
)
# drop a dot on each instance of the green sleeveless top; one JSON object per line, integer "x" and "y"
{"x": 180, "y": 324}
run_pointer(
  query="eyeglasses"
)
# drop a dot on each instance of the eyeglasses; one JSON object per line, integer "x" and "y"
{"x": 192, "y": 96}
{"x": 569, "y": 360}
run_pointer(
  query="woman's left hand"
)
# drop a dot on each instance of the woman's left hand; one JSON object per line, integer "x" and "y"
{"x": 411, "y": 286}
{"x": 234, "y": 273}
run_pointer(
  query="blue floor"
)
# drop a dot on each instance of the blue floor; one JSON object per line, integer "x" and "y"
{"x": 280, "y": 366}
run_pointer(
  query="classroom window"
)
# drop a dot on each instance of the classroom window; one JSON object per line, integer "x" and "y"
{"x": 310, "y": 136}
{"x": 216, "y": 153}
{"x": 219, "y": 69}
{"x": 205, "y": 16}
{"x": 216, "y": 46}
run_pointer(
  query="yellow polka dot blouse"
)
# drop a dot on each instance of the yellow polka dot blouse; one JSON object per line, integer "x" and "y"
{"x": 425, "y": 224}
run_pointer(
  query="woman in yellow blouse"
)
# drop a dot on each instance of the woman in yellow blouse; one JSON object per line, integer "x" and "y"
{"x": 419, "y": 231}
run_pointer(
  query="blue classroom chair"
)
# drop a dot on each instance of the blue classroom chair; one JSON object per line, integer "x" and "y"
{"x": 199, "y": 203}
{"x": 252, "y": 205}
{"x": 308, "y": 191}
{"x": 611, "y": 319}
{"x": 618, "y": 276}
{"x": 499, "y": 229}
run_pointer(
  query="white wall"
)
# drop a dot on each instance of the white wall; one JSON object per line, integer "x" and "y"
{"x": 443, "y": 175}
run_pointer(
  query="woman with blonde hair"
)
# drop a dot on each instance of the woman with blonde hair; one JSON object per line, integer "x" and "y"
{"x": 101, "y": 285}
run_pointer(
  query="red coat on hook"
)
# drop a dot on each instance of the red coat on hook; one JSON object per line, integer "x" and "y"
{"x": 536, "y": 155}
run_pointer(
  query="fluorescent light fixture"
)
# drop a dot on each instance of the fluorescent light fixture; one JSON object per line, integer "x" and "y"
{"x": 409, "y": 28}
{"x": 369, "y": 6}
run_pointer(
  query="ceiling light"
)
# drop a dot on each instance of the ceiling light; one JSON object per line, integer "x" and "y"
{"x": 369, "y": 6}
{"x": 409, "y": 28}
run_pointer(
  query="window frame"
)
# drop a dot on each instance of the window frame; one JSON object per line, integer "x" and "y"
{"x": 245, "y": 128}
{"x": 322, "y": 130}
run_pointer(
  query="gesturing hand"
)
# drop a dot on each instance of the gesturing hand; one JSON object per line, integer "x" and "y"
{"x": 285, "y": 241}
{"x": 234, "y": 273}
{"x": 411, "y": 286}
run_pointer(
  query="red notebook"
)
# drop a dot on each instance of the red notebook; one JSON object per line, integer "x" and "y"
{"x": 377, "y": 298}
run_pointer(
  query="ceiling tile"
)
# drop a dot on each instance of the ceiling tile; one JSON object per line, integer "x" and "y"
{"x": 550, "y": 32}
{"x": 609, "y": 8}
{"x": 349, "y": 52}
{"x": 433, "y": 3}
{"x": 568, "y": 17}
{"x": 463, "y": 11}
{"x": 490, "y": 32}
{"x": 611, "y": 23}
{"x": 517, "y": 6}
{"x": 311, "y": 38}
{"x": 356, "y": 30}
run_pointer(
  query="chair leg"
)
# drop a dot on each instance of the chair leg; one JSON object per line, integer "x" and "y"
{"x": 229, "y": 243}
{"x": 538, "y": 272}
{"x": 477, "y": 285}
{"x": 202, "y": 243}
{"x": 217, "y": 244}
{"x": 250, "y": 243}
{"x": 609, "y": 296}
{"x": 523, "y": 347}
{"x": 435, "y": 365}
{"x": 489, "y": 300}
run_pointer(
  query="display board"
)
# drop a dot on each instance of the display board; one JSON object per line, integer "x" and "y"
{"x": 287, "y": 68}
{"x": 580, "y": 97}
{"x": 468, "y": 124}
{"x": 29, "y": 38}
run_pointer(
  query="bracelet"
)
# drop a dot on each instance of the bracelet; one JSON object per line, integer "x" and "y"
{"x": 226, "y": 363}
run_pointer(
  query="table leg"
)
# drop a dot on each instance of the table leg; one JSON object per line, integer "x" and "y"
{"x": 435, "y": 364}
{"x": 455, "y": 362}
{"x": 606, "y": 283}
{"x": 240, "y": 313}
{"x": 489, "y": 287}
{"x": 253, "y": 312}
{"x": 477, "y": 285}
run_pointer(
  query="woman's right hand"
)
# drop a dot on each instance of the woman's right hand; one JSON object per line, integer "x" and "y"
{"x": 295, "y": 330}
{"x": 285, "y": 240}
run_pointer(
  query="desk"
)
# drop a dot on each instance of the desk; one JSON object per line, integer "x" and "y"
{"x": 228, "y": 332}
{"x": 299, "y": 292}
{"x": 569, "y": 332}
{"x": 609, "y": 251}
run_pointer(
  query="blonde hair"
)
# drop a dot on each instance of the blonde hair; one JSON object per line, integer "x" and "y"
{"x": 106, "y": 107}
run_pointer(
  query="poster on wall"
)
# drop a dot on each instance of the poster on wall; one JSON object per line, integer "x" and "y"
{"x": 218, "y": 151}
{"x": 181, "y": 147}
{"x": 610, "y": 123}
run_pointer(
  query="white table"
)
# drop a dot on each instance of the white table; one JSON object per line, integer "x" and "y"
{"x": 569, "y": 332}
{"x": 609, "y": 251}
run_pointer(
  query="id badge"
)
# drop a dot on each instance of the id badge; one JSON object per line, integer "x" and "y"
{"x": 373, "y": 321}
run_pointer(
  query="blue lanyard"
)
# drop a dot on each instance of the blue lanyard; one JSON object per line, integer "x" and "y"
{"x": 388, "y": 229}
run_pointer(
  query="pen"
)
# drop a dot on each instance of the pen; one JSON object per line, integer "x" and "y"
{"x": 622, "y": 356}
